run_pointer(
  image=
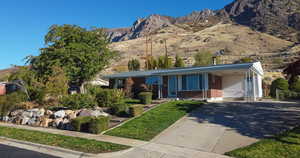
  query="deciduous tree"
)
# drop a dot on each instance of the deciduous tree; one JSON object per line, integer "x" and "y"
{"x": 80, "y": 52}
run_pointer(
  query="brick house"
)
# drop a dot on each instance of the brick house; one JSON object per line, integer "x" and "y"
{"x": 212, "y": 83}
{"x": 2, "y": 88}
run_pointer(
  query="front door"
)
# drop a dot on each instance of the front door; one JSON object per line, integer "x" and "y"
{"x": 172, "y": 86}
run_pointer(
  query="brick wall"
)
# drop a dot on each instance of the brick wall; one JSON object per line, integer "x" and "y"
{"x": 215, "y": 86}
{"x": 2, "y": 89}
{"x": 190, "y": 94}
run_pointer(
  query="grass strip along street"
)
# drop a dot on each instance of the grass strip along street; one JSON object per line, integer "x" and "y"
{"x": 68, "y": 142}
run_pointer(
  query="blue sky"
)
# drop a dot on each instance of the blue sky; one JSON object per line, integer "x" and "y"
{"x": 23, "y": 23}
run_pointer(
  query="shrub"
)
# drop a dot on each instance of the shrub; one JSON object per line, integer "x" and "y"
{"x": 113, "y": 98}
{"x": 280, "y": 84}
{"x": 136, "y": 110}
{"x": 110, "y": 97}
{"x": 81, "y": 124}
{"x": 90, "y": 124}
{"x": 98, "y": 124}
{"x": 295, "y": 85}
{"x": 93, "y": 90}
{"x": 120, "y": 109}
{"x": 145, "y": 97}
{"x": 11, "y": 102}
{"x": 78, "y": 101}
{"x": 286, "y": 94}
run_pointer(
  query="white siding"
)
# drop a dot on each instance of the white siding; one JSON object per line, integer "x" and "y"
{"x": 233, "y": 86}
{"x": 260, "y": 89}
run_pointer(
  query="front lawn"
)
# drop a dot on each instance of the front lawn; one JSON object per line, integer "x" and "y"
{"x": 286, "y": 145}
{"x": 154, "y": 121}
{"x": 73, "y": 143}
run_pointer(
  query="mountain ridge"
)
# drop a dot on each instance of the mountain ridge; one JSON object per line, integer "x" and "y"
{"x": 280, "y": 18}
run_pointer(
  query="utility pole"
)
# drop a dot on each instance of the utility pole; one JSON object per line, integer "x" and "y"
{"x": 151, "y": 46}
{"x": 166, "y": 48}
{"x": 146, "y": 57}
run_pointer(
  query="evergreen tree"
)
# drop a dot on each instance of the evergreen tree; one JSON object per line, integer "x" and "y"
{"x": 203, "y": 59}
{"x": 179, "y": 62}
{"x": 134, "y": 65}
{"x": 151, "y": 63}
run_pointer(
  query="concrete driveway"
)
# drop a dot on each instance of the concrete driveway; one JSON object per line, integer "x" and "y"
{"x": 222, "y": 127}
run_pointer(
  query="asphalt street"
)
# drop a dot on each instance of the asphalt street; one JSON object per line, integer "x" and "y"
{"x": 13, "y": 152}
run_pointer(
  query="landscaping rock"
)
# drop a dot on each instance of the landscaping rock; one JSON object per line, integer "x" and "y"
{"x": 60, "y": 114}
{"x": 41, "y": 112}
{"x": 57, "y": 122}
{"x": 32, "y": 122}
{"x": 72, "y": 116}
{"x": 5, "y": 119}
{"x": 49, "y": 112}
{"x": 69, "y": 112}
{"x": 24, "y": 120}
{"x": 27, "y": 114}
{"x": 45, "y": 121}
{"x": 16, "y": 113}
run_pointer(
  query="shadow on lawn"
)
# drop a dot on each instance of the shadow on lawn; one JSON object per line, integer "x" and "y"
{"x": 189, "y": 107}
{"x": 257, "y": 120}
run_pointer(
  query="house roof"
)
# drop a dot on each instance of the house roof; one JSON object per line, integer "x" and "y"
{"x": 245, "y": 66}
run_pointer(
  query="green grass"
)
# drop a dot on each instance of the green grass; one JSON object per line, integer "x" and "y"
{"x": 154, "y": 121}
{"x": 73, "y": 143}
{"x": 286, "y": 145}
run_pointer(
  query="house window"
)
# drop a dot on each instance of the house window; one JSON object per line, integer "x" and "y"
{"x": 192, "y": 82}
{"x": 120, "y": 83}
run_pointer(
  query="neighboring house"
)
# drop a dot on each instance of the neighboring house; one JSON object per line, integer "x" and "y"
{"x": 2, "y": 88}
{"x": 6, "y": 88}
{"x": 212, "y": 83}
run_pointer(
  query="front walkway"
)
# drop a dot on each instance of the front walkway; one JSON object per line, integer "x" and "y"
{"x": 222, "y": 127}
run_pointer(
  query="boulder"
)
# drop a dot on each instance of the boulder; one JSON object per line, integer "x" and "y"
{"x": 68, "y": 112}
{"x": 41, "y": 112}
{"x": 16, "y": 113}
{"x": 27, "y": 114}
{"x": 45, "y": 121}
{"x": 57, "y": 122}
{"x": 32, "y": 122}
{"x": 60, "y": 114}
{"x": 24, "y": 120}
{"x": 5, "y": 118}
{"x": 72, "y": 116}
{"x": 49, "y": 112}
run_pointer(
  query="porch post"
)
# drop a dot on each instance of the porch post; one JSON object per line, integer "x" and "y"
{"x": 254, "y": 88}
{"x": 205, "y": 85}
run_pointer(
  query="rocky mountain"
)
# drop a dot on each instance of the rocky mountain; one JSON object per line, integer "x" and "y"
{"x": 140, "y": 28}
{"x": 186, "y": 40}
{"x": 149, "y": 25}
{"x": 276, "y": 17}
